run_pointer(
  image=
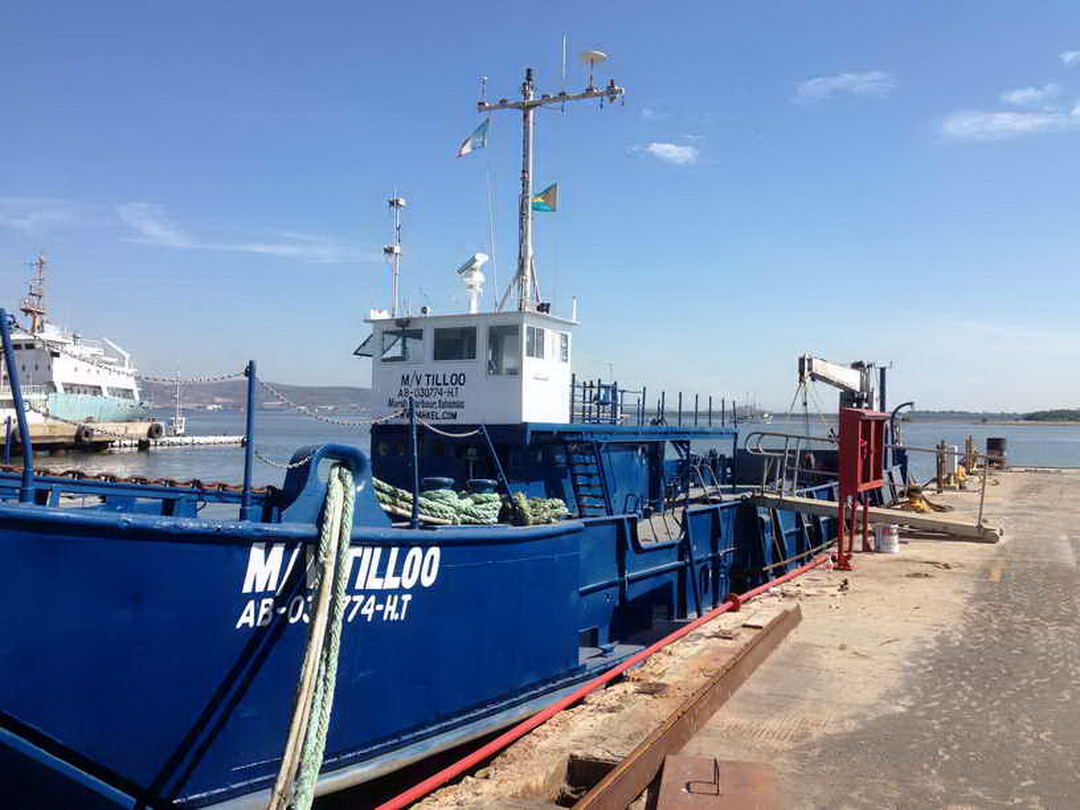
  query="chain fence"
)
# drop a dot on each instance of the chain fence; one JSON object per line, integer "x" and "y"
{"x": 281, "y": 465}
{"x": 168, "y": 379}
{"x": 447, "y": 434}
{"x": 307, "y": 411}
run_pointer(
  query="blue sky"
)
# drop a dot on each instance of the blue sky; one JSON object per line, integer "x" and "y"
{"x": 893, "y": 181}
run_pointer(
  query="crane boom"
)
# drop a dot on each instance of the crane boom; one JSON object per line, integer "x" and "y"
{"x": 855, "y": 382}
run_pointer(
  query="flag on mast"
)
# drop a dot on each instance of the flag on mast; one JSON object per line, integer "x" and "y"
{"x": 546, "y": 200}
{"x": 477, "y": 140}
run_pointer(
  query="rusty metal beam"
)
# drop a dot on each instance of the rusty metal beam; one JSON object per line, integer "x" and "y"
{"x": 631, "y": 776}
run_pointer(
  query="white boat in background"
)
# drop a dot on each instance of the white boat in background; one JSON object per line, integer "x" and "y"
{"x": 177, "y": 422}
{"x": 68, "y": 378}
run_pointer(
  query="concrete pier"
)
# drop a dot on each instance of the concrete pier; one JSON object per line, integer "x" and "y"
{"x": 945, "y": 676}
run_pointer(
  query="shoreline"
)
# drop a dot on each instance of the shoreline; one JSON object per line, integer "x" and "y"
{"x": 969, "y": 421}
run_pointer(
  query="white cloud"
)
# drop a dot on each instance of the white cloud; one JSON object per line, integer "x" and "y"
{"x": 651, "y": 114}
{"x": 1070, "y": 57}
{"x": 1032, "y": 96}
{"x": 975, "y": 125}
{"x": 872, "y": 83}
{"x": 36, "y": 215}
{"x": 154, "y": 227}
{"x": 670, "y": 152}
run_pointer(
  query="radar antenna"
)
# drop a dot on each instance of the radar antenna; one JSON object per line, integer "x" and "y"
{"x": 524, "y": 282}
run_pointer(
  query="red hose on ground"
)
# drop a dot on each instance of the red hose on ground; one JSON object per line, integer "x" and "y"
{"x": 420, "y": 790}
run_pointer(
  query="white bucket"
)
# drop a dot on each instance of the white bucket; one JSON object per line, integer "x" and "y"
{"x": 887, "y": 538}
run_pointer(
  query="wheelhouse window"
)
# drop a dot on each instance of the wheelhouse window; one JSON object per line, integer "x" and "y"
{"x": 121, "y": 393}
{"x": 504, "y": 350}
{"x": 564, "y": 347}
{"x": 399, "y": 345}
{"x": 458, "y": 343}
{"x": 534, "y": 342}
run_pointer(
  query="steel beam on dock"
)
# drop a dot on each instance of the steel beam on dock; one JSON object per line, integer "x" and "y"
{"x": 955, "y": 526}
{"x": 632, "y": 776}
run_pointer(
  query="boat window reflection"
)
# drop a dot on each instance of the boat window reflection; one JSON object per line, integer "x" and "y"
{"x": 534, "y": 342}
{"x": 402, "y": 344}
{"x": 504, "y": 350}
{"x": 458, "y": 343}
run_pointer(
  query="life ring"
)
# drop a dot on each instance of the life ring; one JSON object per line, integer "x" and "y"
{"x": 155, "y": 431}
{"x": 84, "y": 434}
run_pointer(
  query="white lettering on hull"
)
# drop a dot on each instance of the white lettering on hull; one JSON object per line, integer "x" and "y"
{"x": 399, "y": 570}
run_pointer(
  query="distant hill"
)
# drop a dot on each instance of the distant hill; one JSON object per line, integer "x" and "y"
{"x": 232, "y": 394}
{"x": 962, "y": 416}
{"x": 1055, "y": 415}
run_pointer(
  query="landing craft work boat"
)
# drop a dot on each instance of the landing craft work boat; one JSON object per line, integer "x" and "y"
{"x": 150, "y": 654}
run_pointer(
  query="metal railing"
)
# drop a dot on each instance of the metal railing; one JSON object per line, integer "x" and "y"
{"x": 787, "y": 460}
{"x": 785, "y": 463}
{"x": 35, "y": 391}
{"x": 599, "y": 402}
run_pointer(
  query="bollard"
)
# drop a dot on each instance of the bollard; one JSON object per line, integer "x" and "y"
{"x": 249, "y": 442}
{"x": 26, "y": 490}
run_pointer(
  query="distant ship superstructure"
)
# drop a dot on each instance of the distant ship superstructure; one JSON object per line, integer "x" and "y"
{"x": 67, "y": 376}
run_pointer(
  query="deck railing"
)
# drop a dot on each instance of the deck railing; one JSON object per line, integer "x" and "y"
{"x": 28, "y": 391}
{"x": 604, "y": 403}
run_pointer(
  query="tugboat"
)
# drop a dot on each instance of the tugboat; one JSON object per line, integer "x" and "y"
{"x": 70, "y": 381}
{"x": 153, "y": 657}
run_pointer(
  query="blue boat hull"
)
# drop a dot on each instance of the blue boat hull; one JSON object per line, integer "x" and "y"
{"x": 151, "y": 658}
{"x": 83, "y": 407}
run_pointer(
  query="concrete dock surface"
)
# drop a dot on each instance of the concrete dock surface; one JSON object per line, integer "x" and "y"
{"x": 944, "y": 676}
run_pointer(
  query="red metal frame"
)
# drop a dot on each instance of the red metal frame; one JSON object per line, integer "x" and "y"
{"x": 861, "y": 468}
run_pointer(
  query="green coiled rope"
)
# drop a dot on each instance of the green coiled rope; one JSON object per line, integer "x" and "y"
{"x": 304, "y": 749}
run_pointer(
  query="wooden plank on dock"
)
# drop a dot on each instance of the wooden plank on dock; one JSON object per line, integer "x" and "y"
{"x": 951, "y": 525}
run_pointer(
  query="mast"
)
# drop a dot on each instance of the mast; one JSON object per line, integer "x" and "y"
{"x": 524, "y": 282}
{"x": 392, "y": 252}
{"x": 524, "y": 277}
{"x": 33, "y": 306}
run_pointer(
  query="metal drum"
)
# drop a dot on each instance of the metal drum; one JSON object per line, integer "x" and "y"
{"x": 995, "y": 448}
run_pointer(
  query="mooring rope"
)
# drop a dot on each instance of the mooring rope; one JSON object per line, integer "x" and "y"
{"x": 302, "y": 759}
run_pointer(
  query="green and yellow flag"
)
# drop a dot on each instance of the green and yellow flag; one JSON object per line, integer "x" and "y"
{"x": 546, "y": 200}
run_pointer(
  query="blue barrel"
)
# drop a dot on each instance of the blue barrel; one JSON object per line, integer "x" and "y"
{"x": 995, "y": 448}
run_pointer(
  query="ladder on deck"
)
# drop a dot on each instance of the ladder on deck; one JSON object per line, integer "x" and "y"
{"x": 591, "y": 491}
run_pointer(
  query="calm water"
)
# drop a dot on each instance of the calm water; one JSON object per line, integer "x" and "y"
{"x": 1036, "y": 445}
{"x": 278, "y": 435}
